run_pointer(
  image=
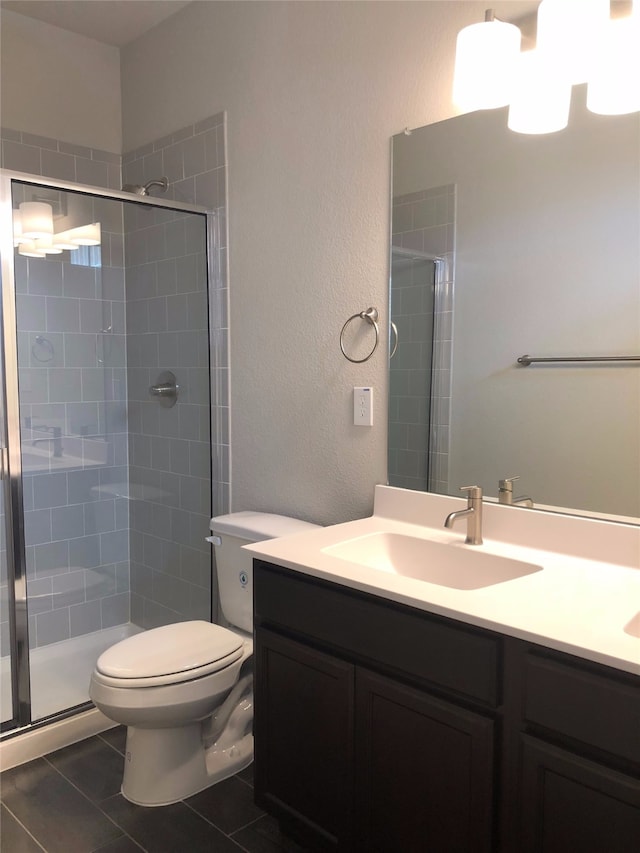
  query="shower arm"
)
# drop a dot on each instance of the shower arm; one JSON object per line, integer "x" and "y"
{"x": 143, "y": 189}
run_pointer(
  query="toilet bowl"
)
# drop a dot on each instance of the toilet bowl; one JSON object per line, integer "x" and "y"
{"x": 185, "y": 691}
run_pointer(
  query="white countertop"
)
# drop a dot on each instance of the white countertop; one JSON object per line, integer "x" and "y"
{"x": 577, "y": 604}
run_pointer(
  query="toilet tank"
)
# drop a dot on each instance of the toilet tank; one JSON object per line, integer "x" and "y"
{"x": 235, "y": 566}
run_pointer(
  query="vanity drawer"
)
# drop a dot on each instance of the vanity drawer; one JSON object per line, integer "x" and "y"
{"x": 585, "y": 703}
{"x": 375, "y": 632}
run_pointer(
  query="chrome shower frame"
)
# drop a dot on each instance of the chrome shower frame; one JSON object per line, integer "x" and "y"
{"x": 10, "y": 450}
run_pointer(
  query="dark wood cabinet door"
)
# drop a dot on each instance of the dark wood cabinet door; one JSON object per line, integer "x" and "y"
{"x": 572, "y": 804}
{"x": 304, "y": 739}
{"x": 424, "y": 772}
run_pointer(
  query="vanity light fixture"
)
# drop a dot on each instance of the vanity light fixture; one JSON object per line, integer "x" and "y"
{"x": 37, "y": 219}
{"x": 486, "y": 55}
{"x": 614, "y": 87}
{"x": 540, "y": 101}
{"x": 85, "y": 235}
{"x": 29, "y": 249}
{"x": 568, "y": 34}
{"x": 17, "y": 227}
{"x": 62, "y": 240}
{"x": 34, "y": 237}
{"x": 577, "y": 42}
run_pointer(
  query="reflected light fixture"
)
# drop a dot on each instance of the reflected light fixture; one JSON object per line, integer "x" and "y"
{"x": 61, "y": 240}
{"x": 37, "y": 219}
{"x": 29, "y": 249}
{"x": 17, "y": 228}
{"x": 34, "y": 237}
{"x": 85, "y": 235}
{"x": 486, "y": 55}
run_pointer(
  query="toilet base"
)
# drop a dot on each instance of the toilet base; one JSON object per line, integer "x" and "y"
{"x": 163, "y": 766}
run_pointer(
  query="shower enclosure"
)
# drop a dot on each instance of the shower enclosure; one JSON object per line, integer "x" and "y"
{"x": 106, "y": 472}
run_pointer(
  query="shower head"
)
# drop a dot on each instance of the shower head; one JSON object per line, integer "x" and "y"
{"x": 143, "y": 189}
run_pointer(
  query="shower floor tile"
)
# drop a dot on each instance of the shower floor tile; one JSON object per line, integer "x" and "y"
{"x": 69, "y": 801}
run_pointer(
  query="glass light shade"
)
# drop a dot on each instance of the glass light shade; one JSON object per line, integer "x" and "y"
{"x": 486, "y": 54}
{"x": 569, "y": 32}
{"x": 46, "y": 245}
{"x": 85, "y": 235}
{"x": 62, "y": 241}
{"x": 17, "y": 228}
{"x": 37, "y": 219}
{"x": 29, "y": 249}
{"x": 541, "y": 101}
{"x": 614, "y": 88}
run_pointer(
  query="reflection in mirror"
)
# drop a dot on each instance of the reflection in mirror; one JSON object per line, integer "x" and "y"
{"x": 539, "y": 247}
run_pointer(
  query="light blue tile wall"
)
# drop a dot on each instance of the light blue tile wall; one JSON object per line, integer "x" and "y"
{"x": 179, "y": 456}
{"x": 73, "y": 382}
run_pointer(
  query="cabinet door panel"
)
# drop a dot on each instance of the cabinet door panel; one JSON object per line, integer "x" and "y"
{"x": 572, "y": 804}
{"x": 304, "y": 737}
{"x": 423, "y": 772}
{"x": 602, "y": 708}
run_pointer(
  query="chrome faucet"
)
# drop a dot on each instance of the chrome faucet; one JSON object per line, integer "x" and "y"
{"x": 505, "y": 493}
{"x": 473, "y": 514}
{"x": 56, "y": 440}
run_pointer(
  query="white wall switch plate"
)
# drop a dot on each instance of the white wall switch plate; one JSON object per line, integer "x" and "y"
{"x": 363, "y": 406}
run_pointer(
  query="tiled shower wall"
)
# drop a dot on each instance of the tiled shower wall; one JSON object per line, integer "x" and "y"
{"x": 170, "y": 450}
{"x": 169, "y": 570}
{"x": 72, "y": 381}
{"x": 424, "y": 222}
{"x": 78, "y": 600}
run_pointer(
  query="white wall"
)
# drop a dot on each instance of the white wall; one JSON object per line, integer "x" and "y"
{"x": 58, "y": 84}
{"x": 314, "y": 91}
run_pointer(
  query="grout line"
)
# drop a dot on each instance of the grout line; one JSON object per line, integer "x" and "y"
{"x": 19, "y": 822}
{"x": 96, "y": 805}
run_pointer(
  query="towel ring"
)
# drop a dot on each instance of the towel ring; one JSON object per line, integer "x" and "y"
{"x": 371, "y": 316}
{"x": 394, "y": 329}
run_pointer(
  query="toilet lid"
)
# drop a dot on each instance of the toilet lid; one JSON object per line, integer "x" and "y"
{"x": 171, "y": 649}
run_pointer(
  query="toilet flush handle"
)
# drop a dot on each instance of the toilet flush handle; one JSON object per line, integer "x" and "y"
{"x": 214, "y": 540}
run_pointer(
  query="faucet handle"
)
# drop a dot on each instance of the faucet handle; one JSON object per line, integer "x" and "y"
{"x": 475, "y": 492}
{"x": 506, "y": 483}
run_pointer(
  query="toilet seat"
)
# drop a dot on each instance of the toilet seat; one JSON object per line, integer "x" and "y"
{"x": 169, "y": 655}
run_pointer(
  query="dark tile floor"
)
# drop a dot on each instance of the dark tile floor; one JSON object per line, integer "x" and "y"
{"x": 70, "y": 802}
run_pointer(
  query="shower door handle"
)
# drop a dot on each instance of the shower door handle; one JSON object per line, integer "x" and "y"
{"x": 4, "y": 463}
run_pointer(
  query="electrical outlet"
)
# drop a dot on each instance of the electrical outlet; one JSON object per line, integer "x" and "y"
{"x": 363, "y": 406}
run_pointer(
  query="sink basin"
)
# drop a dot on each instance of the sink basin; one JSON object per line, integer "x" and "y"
{"x": 451, "y": 565}
{"x": 633, "y": 626}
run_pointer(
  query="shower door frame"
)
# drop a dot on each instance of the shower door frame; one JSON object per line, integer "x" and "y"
{"x": 11, "y": 480}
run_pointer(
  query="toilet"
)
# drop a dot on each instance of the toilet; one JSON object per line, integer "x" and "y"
{"x": 185, "y": 691}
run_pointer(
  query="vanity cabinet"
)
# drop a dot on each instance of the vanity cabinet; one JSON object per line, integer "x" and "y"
{"x": 374, "y": 724}
{"x": 381, "y": 728}
{"x": 580, "y": 756}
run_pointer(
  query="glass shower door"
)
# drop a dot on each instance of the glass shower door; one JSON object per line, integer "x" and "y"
{"x": 110, "y": 487}
{"x": 6, "y": 691}
{"x": 73, "y": 436}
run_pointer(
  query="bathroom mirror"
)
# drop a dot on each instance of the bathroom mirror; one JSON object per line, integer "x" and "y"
{"x": 526, "y": 245}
